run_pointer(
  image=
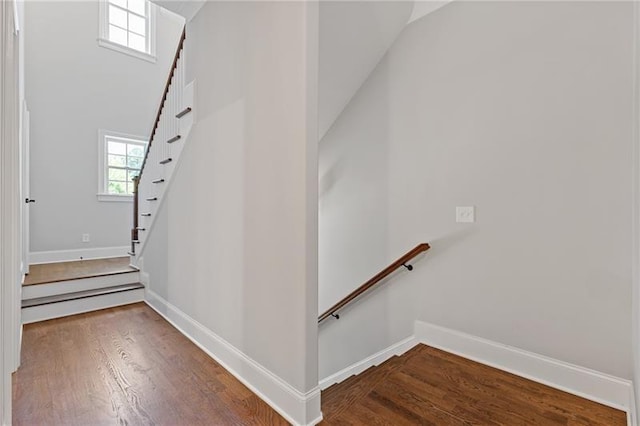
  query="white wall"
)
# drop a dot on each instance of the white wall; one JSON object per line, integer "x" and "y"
{"x": 234, "y": 245}
{"x": 74, "y": 87}
{"x": 353, "y": 38}
{"x": 525, "y": 111}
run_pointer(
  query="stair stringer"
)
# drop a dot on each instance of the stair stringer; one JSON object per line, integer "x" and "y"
{"x": 146, "y": 188}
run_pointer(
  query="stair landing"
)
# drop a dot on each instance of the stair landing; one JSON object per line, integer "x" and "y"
{"x": 428, "y": 386}
{"x": 65, "y": 271}
{"x": 55, "y": 290}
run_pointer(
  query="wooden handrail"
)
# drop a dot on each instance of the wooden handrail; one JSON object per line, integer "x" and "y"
{"x": 165, "y": 94}
{"x": 136, "y": 180}
{"x": 134, "y": 230}
{"x": 420, "y": 248}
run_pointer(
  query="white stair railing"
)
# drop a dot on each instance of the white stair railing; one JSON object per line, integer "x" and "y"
{"x": 170, "y": 131}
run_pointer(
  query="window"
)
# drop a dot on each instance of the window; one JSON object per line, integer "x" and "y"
{"x": 120, "y": 161}
{"x": 128, "y": 26}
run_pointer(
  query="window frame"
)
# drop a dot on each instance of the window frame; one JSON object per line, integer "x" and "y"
{"x": 103, "y": 33}
{"x": 103, "y": 168}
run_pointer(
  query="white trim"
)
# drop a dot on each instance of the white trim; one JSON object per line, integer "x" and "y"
{"x": 37, "y": 257}
{"x": 586, "y": 383}
{"x": 635, "y": 222}
{"x": 71, "y": 286}
{"x": 10, "y": 208}
{"x": 296, "y": 407}
{"x": 103, "y": 135}
{"x": 188, "y": 100}
{"x": 103, "y": 42}
{"x": 79, "y": 306}
{"x": 632, "y": 412}
{"x": 115, "y": 198}
{"x": 103, "y": 36}
{"x": 371, "y": 361}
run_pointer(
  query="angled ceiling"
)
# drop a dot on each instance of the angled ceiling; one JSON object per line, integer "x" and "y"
{"x": 354, "y": 36}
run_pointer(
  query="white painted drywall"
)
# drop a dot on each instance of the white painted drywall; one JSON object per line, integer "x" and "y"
{"x": 523, "y": 110}
{"x": 74, "y": 87}
{"x": 186, "y": 8}
{"x": 353, "y": 38}
{"x": 234, "y": 245}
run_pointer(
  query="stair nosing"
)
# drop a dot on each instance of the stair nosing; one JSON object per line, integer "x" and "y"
{"x": 102, "y": 274}
{"x": 77, "y": 295}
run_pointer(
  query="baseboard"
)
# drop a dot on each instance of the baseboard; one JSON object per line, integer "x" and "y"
{"x": 632, "y": 413}
{"x": 373, "y": 360}
{"x": 590, "y": 384}
{"x": 296, "y": 407}
{"x": 37, "y": 257}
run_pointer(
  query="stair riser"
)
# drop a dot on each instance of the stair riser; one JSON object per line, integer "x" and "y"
{"x": 71, "y": 286}
{"x": 73, "y": 307}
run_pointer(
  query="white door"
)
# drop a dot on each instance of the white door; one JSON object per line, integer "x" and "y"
{"x": 24, "y": 163}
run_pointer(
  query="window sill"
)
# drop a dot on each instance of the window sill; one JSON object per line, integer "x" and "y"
{"x": 126, "y": 50}
{"x": 115, "y": 198}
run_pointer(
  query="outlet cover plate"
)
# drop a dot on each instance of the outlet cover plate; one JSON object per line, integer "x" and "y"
{"x": 466, "y": 214}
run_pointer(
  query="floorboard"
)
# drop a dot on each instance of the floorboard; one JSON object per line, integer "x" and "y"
{"x": 427, "y": 386}
{"x": 63, "y": 271}
{"x": 126, "y": 366}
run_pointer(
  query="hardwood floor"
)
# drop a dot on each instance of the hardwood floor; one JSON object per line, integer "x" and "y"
{"x": 126, "y": 365}
{"x": 62, "y": 271}
{"x": 427, "y": 386}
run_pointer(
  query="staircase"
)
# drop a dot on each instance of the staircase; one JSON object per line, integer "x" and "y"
{"x": 171, "y": 129}
{"x": 56, "y": 290}
{"x": 428, "y": 386}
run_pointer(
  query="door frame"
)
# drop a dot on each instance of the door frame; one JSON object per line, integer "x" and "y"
{"x": 11, "y": 39}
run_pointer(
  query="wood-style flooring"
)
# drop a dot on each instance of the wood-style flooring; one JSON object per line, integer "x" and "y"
{"x": 126, "y": 366}
{"x": 427, "y": 386}
{"x": 63, "y": 271}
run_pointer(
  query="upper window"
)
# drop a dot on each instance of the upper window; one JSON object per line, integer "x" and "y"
{"x": 120, "y": 161}
{"x": 128, "y": 26}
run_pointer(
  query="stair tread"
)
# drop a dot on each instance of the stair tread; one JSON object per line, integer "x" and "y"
{"x": 339, "y": 397}
{"x": 76, "y": 270}
{"x": 38, "y": 301}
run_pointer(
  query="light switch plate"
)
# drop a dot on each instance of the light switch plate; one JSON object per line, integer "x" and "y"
{"x": 466, "y": 214}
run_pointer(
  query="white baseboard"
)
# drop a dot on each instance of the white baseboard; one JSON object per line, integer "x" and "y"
{"x": 296, "y": 407}
{"x": 632, "y": 413}
{"x": 590, "y": 384}
{"x": 68, "y": 255}
{"x": 373, "y": 360}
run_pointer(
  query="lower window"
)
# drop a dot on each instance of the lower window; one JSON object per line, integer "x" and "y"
{"x": 121, "y": 159}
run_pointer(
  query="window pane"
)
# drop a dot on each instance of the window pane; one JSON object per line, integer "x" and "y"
{"x": 121, "y": 3}
{"x": 137, "y": 24}
{"x": 130, "y": 188}
{"x": 138, "y": 6}
{"x": 117, "y": 17}
{"x": 117, "y": 174}
{"x": 117, "y": 160}
{"x": 118, "y": 148}
{"x": 135, "y": 150}
{"x": 117, "y": 35}
{"x": 137, "y": 42}
{"x": 117, "y": 187}
{"x": 134, "y": 162}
